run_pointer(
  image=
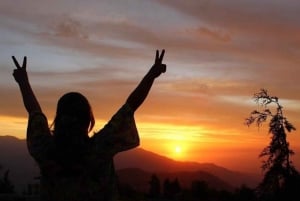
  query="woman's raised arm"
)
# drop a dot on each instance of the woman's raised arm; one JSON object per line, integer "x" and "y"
{"x": 20, "y": 74}
{"x": 137, "y": 97}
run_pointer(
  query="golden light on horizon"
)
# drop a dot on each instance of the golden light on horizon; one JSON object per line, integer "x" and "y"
{"x": 13, "y": 126}
{"x": 177, "y": 149}
{"x": 169, "y": 131}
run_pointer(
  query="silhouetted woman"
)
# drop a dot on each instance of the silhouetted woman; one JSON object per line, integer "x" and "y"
{"x": 74, "y": 166}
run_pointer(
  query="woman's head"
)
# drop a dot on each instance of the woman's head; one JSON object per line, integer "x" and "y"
{"x": 73, "y": 114}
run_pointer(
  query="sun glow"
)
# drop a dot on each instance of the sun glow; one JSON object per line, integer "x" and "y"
{"x": 177, "y": 149}
{"x": 174, "y": 141}
{"x": 14, "y": 126}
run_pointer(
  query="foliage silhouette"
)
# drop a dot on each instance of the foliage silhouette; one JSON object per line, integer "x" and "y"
{"x": 154, "y": 191}
{"x": 171, "y": 189}
{"x": 6, "y": 185}
{"x": 200, "y": 189}
{"x": 280, "y": 176}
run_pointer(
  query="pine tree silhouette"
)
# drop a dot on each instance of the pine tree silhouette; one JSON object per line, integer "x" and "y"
{"x": 280, "y": 176}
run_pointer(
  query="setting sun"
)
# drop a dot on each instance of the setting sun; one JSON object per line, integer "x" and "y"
{"x": 177, "y": 149}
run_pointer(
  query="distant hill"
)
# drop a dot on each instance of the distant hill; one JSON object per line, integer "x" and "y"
{"x": 15, "y": 157}
{"x": 152, "y": 162}
{"x": 135, "y": 167}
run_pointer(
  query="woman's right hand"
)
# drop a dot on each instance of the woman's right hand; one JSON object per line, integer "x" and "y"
{"x": 20, "y": 73}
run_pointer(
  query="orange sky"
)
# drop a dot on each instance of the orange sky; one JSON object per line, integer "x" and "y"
{"x": 218, "y": 55}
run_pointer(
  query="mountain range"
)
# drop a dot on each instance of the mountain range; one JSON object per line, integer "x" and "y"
{"x": 134, "y": 167}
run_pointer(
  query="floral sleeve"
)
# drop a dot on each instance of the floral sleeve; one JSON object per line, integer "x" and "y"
{"x": 119, "y": 134}
{"x": 39, "y": 138}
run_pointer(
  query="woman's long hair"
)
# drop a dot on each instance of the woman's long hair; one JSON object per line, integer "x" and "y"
{"x": 73, "y": 121}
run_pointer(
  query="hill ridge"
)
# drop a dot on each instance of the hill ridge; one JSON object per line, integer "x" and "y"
{"x": 15, "y": 157}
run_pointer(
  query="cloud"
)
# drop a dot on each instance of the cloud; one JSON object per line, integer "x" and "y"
{"x": 216, "y": 52}
{"x": 69, "y": 27}
{"x": 213, "y": 34}
{"x": 266, "y": 30}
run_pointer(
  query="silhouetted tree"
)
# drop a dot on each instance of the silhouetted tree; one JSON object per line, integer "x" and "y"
{"x": 176, "y": 188}
{"x": 32, "y": 189}
{"x": 167, "y": 188}
{"x": 223, "y": 195}
{"x": 244, "y": 193}
{"x": 200, "y": 189}
{"x": 5, "y": 184}
{"x": 154, "y": 190}
{"x": 128, "y": 192}
{"x": 280, "y": 174}
{"x": 171, "y": 188}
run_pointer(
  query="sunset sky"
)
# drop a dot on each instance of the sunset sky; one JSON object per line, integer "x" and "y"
{"x": 218, "y": 54}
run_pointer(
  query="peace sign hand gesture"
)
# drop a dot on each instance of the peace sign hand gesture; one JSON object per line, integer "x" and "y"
{"x": 20, "y": 73}
{"x": 139, "y": 94}
{"x": 158, "y": 67}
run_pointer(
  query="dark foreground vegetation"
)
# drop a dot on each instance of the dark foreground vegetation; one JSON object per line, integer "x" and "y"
{"x": 168, "y": 190}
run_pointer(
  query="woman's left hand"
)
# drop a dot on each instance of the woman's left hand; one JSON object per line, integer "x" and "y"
{"x": 20, "y": 73}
